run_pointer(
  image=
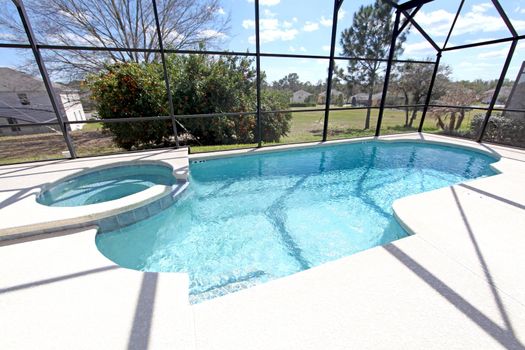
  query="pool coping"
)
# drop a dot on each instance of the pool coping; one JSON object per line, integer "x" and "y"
{"x": 498, "y": 151}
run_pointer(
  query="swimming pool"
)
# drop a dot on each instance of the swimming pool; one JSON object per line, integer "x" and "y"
{"x": 102, "y": 185}
{"x": 249, "y": 219}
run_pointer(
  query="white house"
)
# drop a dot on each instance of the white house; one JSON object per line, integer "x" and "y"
{"x": 300, "y": 96}
{"x": 361, "y": 99}
{"x": 24, "y": 100}
{"x": 335, "y": 94}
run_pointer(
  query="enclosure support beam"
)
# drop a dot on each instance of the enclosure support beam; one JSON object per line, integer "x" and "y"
{"x": 45, "y": 76}
{"x": 331, "y": 64}
{"x": 460, "y": 7}
{"x": 421, "y": 30}
{"x": 166, "y": 76}
{"x": 505, "y": 18}
{"x": 429, "y": 93}
{"x": 407, "y": 21}
{"x": 503, "y": 71}
{"x": 395, "y": 33}
{"x": 497, "y": 90}
{"x": 258, "y": 73}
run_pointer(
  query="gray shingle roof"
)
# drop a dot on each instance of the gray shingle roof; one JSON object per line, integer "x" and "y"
{"x": 12, "y": 80}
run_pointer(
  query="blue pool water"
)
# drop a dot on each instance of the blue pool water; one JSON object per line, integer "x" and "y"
{"x": 246, "y": 220}
{"x": 106, "y": 185}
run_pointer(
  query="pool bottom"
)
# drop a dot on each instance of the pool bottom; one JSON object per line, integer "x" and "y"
{"x": 247, "y": 220}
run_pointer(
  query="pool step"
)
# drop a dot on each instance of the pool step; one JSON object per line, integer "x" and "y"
{"x": 181, "y": 174}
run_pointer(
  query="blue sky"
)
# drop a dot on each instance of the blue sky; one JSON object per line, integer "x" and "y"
{"x": 304, "y": 27}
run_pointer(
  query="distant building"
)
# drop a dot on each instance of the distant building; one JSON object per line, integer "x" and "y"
{"x": 334, "y": 96}
{"x": 300, "y": 96}
{"x": 503, "y": 95}
{"x": 24, "y": 100}
{"x": 361, "y": 99}
{"x": 516, "y": 100}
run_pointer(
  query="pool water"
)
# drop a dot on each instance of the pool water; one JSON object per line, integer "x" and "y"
{"x": 106, "y": 185}
{"x": 250, "y": 219}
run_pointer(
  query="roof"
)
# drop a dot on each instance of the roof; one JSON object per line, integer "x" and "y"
{"x": 302, "y": 92}
{"x": 333, "y": 92}
{"x": 364, "y": 96}
{"x": 12, "y": 80}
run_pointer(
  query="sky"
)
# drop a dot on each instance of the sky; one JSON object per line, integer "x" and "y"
{"x": 304, "y": 27}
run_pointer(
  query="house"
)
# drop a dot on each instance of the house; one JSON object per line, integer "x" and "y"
{"x": 516, "y": 100}
{"x": 503, "y": 95}
{"x": 24, "y": 100}
{"x": 300, "y": 96}
{"x": 361, "y": 99}
{"x": 335, "y": 96}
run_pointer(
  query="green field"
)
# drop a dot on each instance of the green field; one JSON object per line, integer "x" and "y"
{"x": 308, "y": 126}
{"x": 305, "y": 127}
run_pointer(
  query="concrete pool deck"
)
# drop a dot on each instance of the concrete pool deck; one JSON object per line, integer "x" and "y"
{"x": 457, "y": 283}
{"x": 20, "y": 184}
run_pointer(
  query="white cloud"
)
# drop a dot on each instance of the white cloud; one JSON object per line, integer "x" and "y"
{"x": 476, "y": 20}
{"x": 248, "y": 23}
{"x": 211, "y": 33}
{"x": 269, "y": 13}
{"x": 421, "y": 47}
{"x": 9, "y": 37}
{"x": 267, "y": 2}
{"x": 341, "y": 14}
{"x": 480, "y": 8}
{"x": 499, "y": 52}
{"x": 287, "y": 24}
{"x": 295, "y": 19}
{"x": 435, "y": 22}
{"x": 221, "y": 11}
{"x": 295, "y": 49}
{"x": 270, "y": 35}
{"x": 272, "y": 29}
{"x": 268, "y": 23}
{"x": 338, "y": 49}
{"x": 311, "y": 26}
{"x": 264, "y": 23}
{"x": 477, "y": 40}
{"x": 327, "y": 22}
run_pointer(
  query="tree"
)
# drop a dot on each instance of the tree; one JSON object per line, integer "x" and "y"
{"x": 450, "y": 119}
{"x": 369, "y": 37}
{"x": 116, "y": 23}
{"x": 412, "y": 80}
{"x": 127, "y": 90}
{"x": 200, "y": 84}
{"x": 290, "y": 82}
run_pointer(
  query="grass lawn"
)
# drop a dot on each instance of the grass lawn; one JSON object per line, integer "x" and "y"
{"x": 305, "y": 127}
{"x": 25, "y": 148}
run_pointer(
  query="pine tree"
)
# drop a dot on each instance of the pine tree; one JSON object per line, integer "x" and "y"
{"x": 369, "y": 37}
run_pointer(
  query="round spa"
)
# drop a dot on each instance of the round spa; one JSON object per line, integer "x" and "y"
{"x": 105, "y": 184}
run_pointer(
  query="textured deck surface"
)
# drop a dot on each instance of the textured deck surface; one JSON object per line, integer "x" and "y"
{"x": 457, "y": 283}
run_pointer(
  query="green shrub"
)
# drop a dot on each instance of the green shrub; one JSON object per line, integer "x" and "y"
{"x": 199, "y": 85}
{"x": 274, "y": 125}
{"x": 302, "y": 104}
{"x": 500, "y": 129}
{"x": 129, "y": 91}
